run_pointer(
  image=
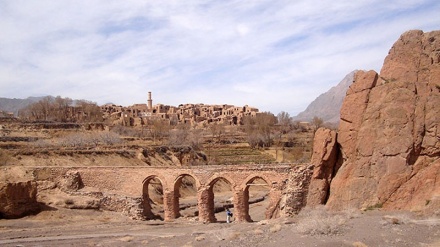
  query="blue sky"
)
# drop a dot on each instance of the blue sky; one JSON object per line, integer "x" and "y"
{"x": 275, "y": 55}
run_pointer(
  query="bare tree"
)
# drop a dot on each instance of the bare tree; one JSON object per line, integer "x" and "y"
{"x": 317, "y": 123}
{"x": 195, "y": 138}
{"x": 38, "y": 111}
{"x": 43, "y": 107}
{"x": 217, "y": 130}
{"x": 109, "y": 138}
{"x": 61, "y": 108}
{"x": 259, "y": 128}
{"x": 91, "y": 111}
{"x": 159, "y": 128}
{"x": 179, "y": 135}
{"x": 285, "y": 122}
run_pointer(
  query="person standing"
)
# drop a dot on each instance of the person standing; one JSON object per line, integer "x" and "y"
{"x": 228, "y": 215}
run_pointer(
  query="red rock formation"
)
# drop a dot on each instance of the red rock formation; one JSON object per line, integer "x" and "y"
{"x": 390, "y": 130}
{"x": 18, "y": 199}
{"x": 324, "y": 160}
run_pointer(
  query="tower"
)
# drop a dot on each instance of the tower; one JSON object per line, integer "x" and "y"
{"x": 150, "y": 102}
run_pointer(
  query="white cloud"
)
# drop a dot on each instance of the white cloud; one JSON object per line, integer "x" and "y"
{"x": 274, "y": 55}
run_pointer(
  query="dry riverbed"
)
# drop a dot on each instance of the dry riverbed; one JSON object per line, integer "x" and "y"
{"x": 66, "y": 227}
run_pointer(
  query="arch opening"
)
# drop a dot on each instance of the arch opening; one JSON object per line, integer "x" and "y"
{"x": 185, "y": 190}
{"x": 152, "y": 194}
{"x": 257, "y": 193}
{"x": 222, "y": 198}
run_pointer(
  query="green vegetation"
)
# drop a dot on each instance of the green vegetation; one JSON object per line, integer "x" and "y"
{"x": 373, "y": 207}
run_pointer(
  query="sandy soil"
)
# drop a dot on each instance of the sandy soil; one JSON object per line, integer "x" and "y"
{"x": 65, "y": 227}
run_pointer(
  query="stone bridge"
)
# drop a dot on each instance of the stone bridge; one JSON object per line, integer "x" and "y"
{"x": 134, "y": 181}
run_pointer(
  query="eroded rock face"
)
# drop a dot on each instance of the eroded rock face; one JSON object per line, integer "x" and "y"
{"x": 70, "y": 181}
{"x": 389, "y": 132}
{"x": 18, "y": 199}
{"x": 295, "y": 194}
{"x": 324, "y": 160}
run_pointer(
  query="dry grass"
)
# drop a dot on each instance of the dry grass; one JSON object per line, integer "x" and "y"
{"x": 359, "y": 244}
{"x": 275, "y": 228}
{"x": 226, "y": 234}
{"x": 200, "y": 238}
{"x": 258, "y": 232}
{"x": 398, "y": 219}
{"x": 5, "y": 158}
{"x": 320, "y": 221}
{"x": 126, "y": 239}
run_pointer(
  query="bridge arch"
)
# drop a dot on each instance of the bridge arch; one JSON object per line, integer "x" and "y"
{"x": 206, "y": 198}
{"x": 212, "y": 180}
{"x": 263, "y": 184}
{"x": 146, "y": 198}
{"x": 252, "y": 177}
{"x": 182, "y": 175}
{"x": 177, "y": 186}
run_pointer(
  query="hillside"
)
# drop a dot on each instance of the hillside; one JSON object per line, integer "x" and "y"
{"x": 328, "y": 104}
{"x": 15, "y": 105}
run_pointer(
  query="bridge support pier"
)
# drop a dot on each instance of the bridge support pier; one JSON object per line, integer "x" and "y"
{"x": 147, "y": 213}
{"x": 206, "y": 205}
{"x": 241, "y": 206}
{"x": 169, "y": 206}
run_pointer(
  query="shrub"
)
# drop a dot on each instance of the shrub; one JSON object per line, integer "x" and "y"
{"x": 320, "y": 221}
{"x": 359, "y": 244}
{"x": 395, "y": 219}
{"x": 375, "y": 206}
{"x": 4, "y": 158}
{"x": 108, "y": 138}
{"x": 275, "y": 228}
{"x": 69, "y": 201}
{"x": 82, "y": 140}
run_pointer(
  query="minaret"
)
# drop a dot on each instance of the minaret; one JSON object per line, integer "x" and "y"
{"x": 150, "y": 102}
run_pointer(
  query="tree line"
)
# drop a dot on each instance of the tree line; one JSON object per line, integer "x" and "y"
{"x": 263, "y": 130}
{"x": 63, "y": 110}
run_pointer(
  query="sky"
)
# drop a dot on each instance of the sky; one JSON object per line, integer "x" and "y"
{"x": 275, "y": 55}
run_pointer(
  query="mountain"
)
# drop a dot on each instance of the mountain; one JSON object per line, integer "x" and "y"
{"x": 328, "y": 104}
{"x": 14, "y": 105}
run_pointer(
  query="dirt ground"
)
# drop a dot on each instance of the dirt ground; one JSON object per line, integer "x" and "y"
{"x": 67, "y": 227}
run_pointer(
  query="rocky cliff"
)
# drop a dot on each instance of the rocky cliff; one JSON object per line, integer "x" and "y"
{"x": 388, "y": 141}
{"x": 328, "y": 105}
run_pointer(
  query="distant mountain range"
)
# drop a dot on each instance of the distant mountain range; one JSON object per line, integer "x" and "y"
{"x": 14, "y": 105}
{"x": 328, "y": 105}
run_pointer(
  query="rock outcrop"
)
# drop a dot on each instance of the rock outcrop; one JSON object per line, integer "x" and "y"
{"x": 389, "y": 134}
{"x": 324, "y": 160}
{"x": 295, "y": 194}
{"x": 18, "y": 199}
{"x": 70, "y": 181}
